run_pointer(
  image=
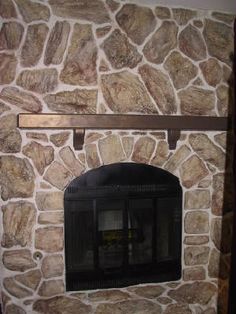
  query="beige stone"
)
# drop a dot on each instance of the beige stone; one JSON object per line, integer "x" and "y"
{"x": 210, "y": 311}
{"x": 18, "y": 260}
{"x": 161, "y": 42}
{"x": 120, "y": 52}
{"x": 71, "y": 162}
{"x": 136, "y": 21}
{"x": 60, "y": 139}
{"x": 92, "y": 157}
{"x": 149, "y": 292}
{"x": 10, "y": 140}
{"x": 124, "y": 93}
{"x": 21, "y": 99}
{"x": 108, "y": 296}
{"x": 196, "y": 222}
{"x": 182, "y": 16}
{"x": 14, "y": 309}
{"x": 197, "y": 199}
{"x": 37, "y": 136}
{"x": 51, "y": 287}
{"x": 198, "y": 23}
{"x": 198, "y": 82}
{"x": 224, "y": 17}
{"x": 7, "y": 9}
{"x": 8, "y": 121}
{"x": 196, "y": 240}
{"x": 164, "y": 300}
{"x": 31, "y": 279}
{"x": 16, "y": 290}
{"x": 143, "y": 149}
{"x": 10, "y": 35}
{"x": 221, "y": 139}
{"x": 3, "y": 107}
{"x": 18, "y": 221}
{"x": 113, "y": 5}
{"x": 194, "y": 273}
{"x": 49, "y": 239}
{"x": 161, "y": 154}
{"x": 214, "y": 264}
{"x": 211, "y": 71}
{"x": 49, "y": 200}
{"x": 224, "y": 102}
{"x": 162, "y": 13}
{"x": 52, "y": 266}
{"x": 205, "y": 183}
{"x": 160, "y": 88}
{"x": 177, "y": 158}
{"x": 56, "y": 44}
{"x": 227, "y": 74}
{"x": 196, "y": 255}
{"x": 8, "y": 63}
{"x": 80, "y": 63}
{"x": 33, "y": 11}
{"x": 102, "y": 31}
{"x": 58, "y": 175}
{"x": 111, "y": 149}
{"x": 51, "y": 218}
{"x": 33, "y": 45}
{"x": 128, "y": 144}
{"x": 177, "y": 308}
{"x": 218, "y": 194}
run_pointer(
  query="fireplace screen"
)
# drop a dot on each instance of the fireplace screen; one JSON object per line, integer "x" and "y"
{"x": 122, "y": 227}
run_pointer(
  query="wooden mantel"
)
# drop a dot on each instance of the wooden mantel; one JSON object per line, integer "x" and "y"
{"x": 80, "y": 122}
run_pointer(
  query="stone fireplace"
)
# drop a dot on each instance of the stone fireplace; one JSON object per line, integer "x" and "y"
{"x": 112, "y": 57}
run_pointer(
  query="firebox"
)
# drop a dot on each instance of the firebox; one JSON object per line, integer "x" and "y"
{"x": 122, "y": 227}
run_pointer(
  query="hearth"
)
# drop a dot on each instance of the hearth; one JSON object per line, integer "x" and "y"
{"x": 122, "y": 227}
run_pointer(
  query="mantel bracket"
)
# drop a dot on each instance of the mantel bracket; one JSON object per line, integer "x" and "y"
{"x": 173, "y": 135}
{"x": 78, "y": 138}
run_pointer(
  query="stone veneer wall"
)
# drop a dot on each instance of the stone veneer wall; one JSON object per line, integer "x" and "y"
{"x": 103, "y": 57}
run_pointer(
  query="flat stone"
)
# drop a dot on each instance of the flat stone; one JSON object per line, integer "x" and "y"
{"x": 51, "y": 287}
{"x": 136, "y": 21}
{"x": 44, "y": 185}
{"x": 31, "y": 279}
{"x": 196, "y": 240}
{"x": 128, "y": 145}
{"x": 10, "y": 35}
{"x": 58, "y": 175}
{"x": 7, "y": 9}
{"x": 16, "y": 290}
{"x": 39, "y": 81}
{"x": 37, "y": 136}
{"x": 218, "y": 194}
{"x": 113, "y": 5}
{"x": 76, "y": 101}
{"x": 196, "y": 222}
{"x": 93, "y": 10}
{"x": 158, "y": 135}
{"x": 214, "y": 264}
{"x": 18, "y": 221}
{"x": 10, "y": 141}
{"x": 209, "y": 311}
{"x": 164, "y": 300}
{"x": 143, "y": 149}
{"x": 3, "y": 107}
{"x": 161, "y": 154}
{"x": 177, "y": 308}
{"x": 149, "y": 292}
{"x": 80, "y": 63}
{"x": 181, "y": 69}
{"x": 60, "y": 139}
{"x": 191, "y": 43}
{"x": 227, "y": 74}
{"x": 197, "y": 101}
{"x": 197, "y": 199}
{"x": 49, "y": 239}
{"x": 102, "y": 31}
{"x": 162, "y": 13}
{"x": 221, "y": 139}
{"x": 139, "y": 306}
{"x": 108, "y": 296}
{"x": 224, "y": 17}
{"x": 51, "y": 218}
{"x": 198, "y": 82}
{"x": 49, "y": 200}
{"x": 21, "y": 99}
{"x": 71, "y": 162}
{"x": 194, "y": 273}
{"x": 177, "y": 158}
{"x": 198, "y": 23}
{"x": 219, "y": 230}
{"x": 33, "y": 45}
{"x": 196, "y": 255}
{"x": 14, "y": 309}
{"x": 205, "y": 183}
{"x": 219, "y": 39}
{"x": 8, "y": 63}
{"x": 111, "y": 150}
{"x": 182, "y": 16}
{"x": 207, "y": 150}
{"x": 124, "y": 93}
{"x": 120, "y": 52}
{"x": 92, "y": 137}
{"x": 223, "y": 100}
{"x": 92, "y": 157}
{"x": 18, "y": 260}
{"x": 16, "y": 177}
{"x": 42, "y": 156}
{"x": 211, "y": 71}
{"x": 196, "y": 292}
{"x": 52, "y": 266}
{"x": 161, "y": 42}
{"x": 57, "y": 42}
{"x": 159, "y": 86}
{"x": 32, "y": 11}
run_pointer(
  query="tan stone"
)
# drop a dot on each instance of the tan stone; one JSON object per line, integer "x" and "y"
{"x": 3, "y": 107}
{"x": 58, "y": 175}
{"x": 52, "y": 266}
{"x": 161, "y": 154}
{"x": 219, "y": 40}
{"x": 196, "y": 255}
{"x": 136, "y": 21}
{"x": 7, "y": 9}
{"x": 103, "y": 66}
{"x": 181, "y": 69}
{"x": 160, "y": 88}
{"x": 10, "y": 35}
{"x": 194, "y": 273}
{"x": 102, "y": 31}
{"x": 37, "y": 136}
{"x": 49, "y": 239}
{"x": 80, "y": 63}
{"x": 143, "y": 149}
{"x": 221, "y": 232}
{"x": 33, "y": 45}
{"x": 159, "y": 135}
{"x": 92, "y": 157}
{"x": 51, "y": 287}
{"x": 149, "y": 292}
{"x": 120, "y": 52}
{"x": 128, "y": 144}
{"x": 14, "y": 309}
{"x": 162, "y": 13}
{"x": 221, "y": 139}
{"x": 32, "y": 11}
{"x": 40, "y": 81}
{"x": 191, "y": 43}
{"x": 197, "y": 101}
{"x": 177, "y": 308}
{"x": 18, "y": 221}
{"x": 76, "y": 101}
{"x": 56, "y": 43}
{"x": 182, "y": 16}
{"x": 161, "y": 42}
{"x": 92, "y": 10}
{"x": 18, "y": 260}
{"x": 71, "y": 162}
{"x": 211, "y": 71}
{"x": 197, "y": 199}
{"x": 204, "y": 183}
{"x": 59, "y": 139}
{"x": 224, "y": 17}
{"x": 198, "y": 82}
{"x": 111, "y": 149}
{"x": 51, "y": 218}
{"x": 209, "y": 311}
{"x": 198, "y": 23}
{"x": 108, "y": 296}
{"x": 92, "y": 137}
{"x": 49, "y": 200}
{"x": 31, "y": 279}
{"x": 164, "y": 300}
{"x": 196, "y": 222}
{"x": 177, "y": 158}
{"x": 21, "y": 99}
{"x": 124, "y": 93}
{"x": 224, "y": 102}
{"x": 16, "y": 290}
{"x": 113, "y": 5}
{"x": 218, "y": 194}
{"x": 44, "y": 185}
{"x": 227, "y": 74}
{"x": 8, "y": 121}
{"x": 10, "y": 140}
{"x": 207, "y": 150}
{"x": 214, "y": 264}
{"x": 8, "y": 63}
{"x": 196, "y": 240}
{"x": 16, "y": 177}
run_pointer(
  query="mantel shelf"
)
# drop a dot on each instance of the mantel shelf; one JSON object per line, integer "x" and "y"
{"x": 80, "y": 122}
